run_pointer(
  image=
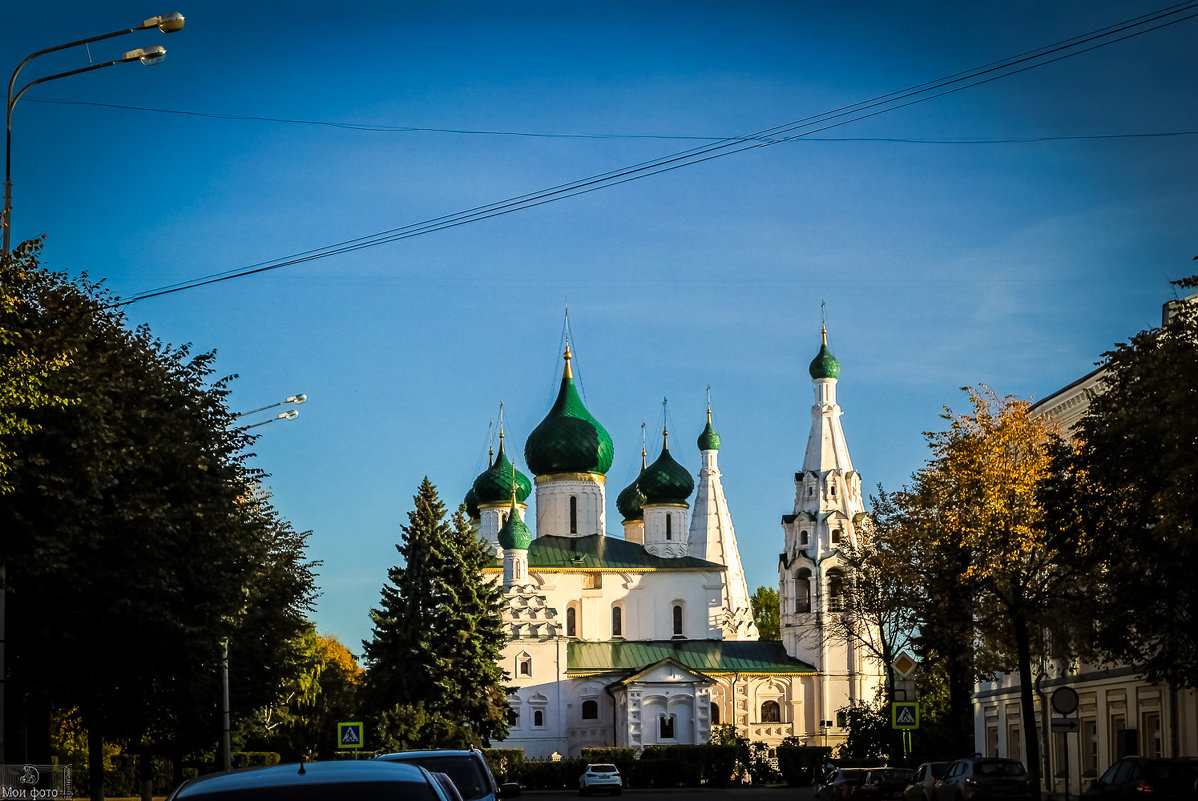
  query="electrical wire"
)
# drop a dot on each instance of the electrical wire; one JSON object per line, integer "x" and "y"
{"x": 786, "y": 132}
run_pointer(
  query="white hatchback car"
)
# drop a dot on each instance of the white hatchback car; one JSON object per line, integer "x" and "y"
{"x": 601, "y": 776}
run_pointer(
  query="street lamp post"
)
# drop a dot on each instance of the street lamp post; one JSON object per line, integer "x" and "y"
{"x": 167, "y": 23}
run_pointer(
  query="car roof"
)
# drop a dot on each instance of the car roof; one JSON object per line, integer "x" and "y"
{"x": 429, "y": 752}
{"x": 302, "y": 775}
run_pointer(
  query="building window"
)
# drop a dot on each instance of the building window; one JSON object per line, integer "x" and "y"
{"x": 715, "y": 714}
{"x": 835, "y": 591}
{"x": 803, "y": 591}
{"x": 538, "y": 719}
{"x": 571, "y": 622}
{"x": 590, "y": 710}
{"x": 832, "y": 490}
{"x": 1151, "y": 732}
{"x": 802, "y": 538}
{"x": 1014, "y": 743}
{"x": 1087, "y": 742}
{"x": 665, "y": 727}
{"x": 836, "y": 534}
{"x": 669, "y": 527}
{"x": 771, "y": 712}
{"x": 1118, "y": 737}
{"x": 991, "y": 741}
{"x": 524, "y": 665}
{"x": 842, "y": 720}
{"x": 573, "y": 514}
{"x": 677, "y": 620}
{"x": 617, "y": 622}
{"x": 810, "y": 491}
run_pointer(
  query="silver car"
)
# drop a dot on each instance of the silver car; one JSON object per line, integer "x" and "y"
{"x": 600, "y": 777}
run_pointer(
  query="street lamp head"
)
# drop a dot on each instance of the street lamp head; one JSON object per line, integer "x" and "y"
{"x": 291, "y": 415}
{"x": 154, "y": 54}
{"x": 167, "y": 23}
{"x": 296, "y": 399}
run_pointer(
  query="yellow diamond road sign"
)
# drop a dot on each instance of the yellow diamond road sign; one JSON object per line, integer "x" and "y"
{"x": 349, "y": 735}
{"x": 904, "y": 715}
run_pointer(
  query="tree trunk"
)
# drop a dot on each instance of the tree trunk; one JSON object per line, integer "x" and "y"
{"x": 95, "y": 756}
{"x": 1027, "y": 704}
{"x": 145, "y": 770}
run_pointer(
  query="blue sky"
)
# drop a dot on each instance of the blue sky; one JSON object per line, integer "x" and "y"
{"x": 942, "y": 265}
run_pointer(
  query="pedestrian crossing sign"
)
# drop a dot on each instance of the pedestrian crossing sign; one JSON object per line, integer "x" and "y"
{"x": 904, "y": 715}
{"x": 349, "y": 735}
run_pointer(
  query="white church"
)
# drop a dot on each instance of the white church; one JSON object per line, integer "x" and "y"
{"x": 645, "y": 636}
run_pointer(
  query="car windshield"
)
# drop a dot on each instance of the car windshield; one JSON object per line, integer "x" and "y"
{"x": 603, "y": 769}
{"x": 464, "y": 771}
{"x": 891, "y": 776}
{"x": 998, "y": 769}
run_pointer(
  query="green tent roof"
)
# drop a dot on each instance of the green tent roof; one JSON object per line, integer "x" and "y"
{"x": 596, "y": 552}
{"x": 708, "y": 656}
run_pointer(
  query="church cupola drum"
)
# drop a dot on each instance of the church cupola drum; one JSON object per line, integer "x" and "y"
{"x": 569, "y": 453}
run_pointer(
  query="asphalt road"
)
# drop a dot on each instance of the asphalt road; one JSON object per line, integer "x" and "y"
{"x": 688, "y": 794}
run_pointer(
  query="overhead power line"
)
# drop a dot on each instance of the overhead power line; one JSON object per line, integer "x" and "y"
{"x": 375, "y": 127}
{"x": 767, "y": 137}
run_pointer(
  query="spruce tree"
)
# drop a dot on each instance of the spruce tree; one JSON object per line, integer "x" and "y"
{"x": 437, "y": 635}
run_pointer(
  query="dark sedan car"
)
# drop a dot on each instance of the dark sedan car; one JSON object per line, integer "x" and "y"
{"x": 983, "y": 778}
{"x": 924, "y": 782}
{"x": 1142, "y": 777}
{"x": 842, "y": 784}
{"x": 884, "y": 784}
{"x": 315, "y": 781}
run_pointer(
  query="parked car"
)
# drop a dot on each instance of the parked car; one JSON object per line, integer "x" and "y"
{"x": 842, "y": 784}
{"x": 1142, "y": 777}
{"x": 315, "y": 781}
{"x": 924, "y": 781}
{"x": 600, "y": 777}
{"x": 467, "y": 768}
{"x": 983, "y": 777}
{"x": 882, "y": 784}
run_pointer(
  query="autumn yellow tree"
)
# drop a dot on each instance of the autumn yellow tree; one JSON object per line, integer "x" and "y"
{"x": 980, "y": 489}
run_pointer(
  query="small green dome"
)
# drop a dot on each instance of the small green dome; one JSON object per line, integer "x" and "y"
{"x": 824, "y": 365}
{"x": 665, "y": 481}
{"x": 494, "y": 485}
{"x": 631, "y": 502}
{"x": 514, "y": 534}
{"x": 471, "y": 501}
{"x": 569, "y": 439}
{"x": 709, "y": 440}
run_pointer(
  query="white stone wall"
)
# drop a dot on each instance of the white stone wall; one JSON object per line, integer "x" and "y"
{"x": 553, "y": 505}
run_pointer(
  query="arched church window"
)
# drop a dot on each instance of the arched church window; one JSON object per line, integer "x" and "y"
{"x": 771, "y": 712}
{"x": 669, "y": 528}
{"x": 665, "y": 727}
{"x": 715, "y": 714}
{"x": 538, "y": 718}
{"x": 835, "y": 591}
{"x": 617, "y": 622}
{"x": 832, "y": 490}
{"x": 836, "y": 535}
{"x": 803, "y": 591}
{"x": 573, "y": 514}
{"x": 590, "y": 710}
{"x": 802, "y": 538}
{"x": 524, "y": 665}
{"x": 677, "y": 620}
{"x": 571, "y": 622}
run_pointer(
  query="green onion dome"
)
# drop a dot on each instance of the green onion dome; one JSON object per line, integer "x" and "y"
{"x": 569, "y": 439}
{"x": 824, "y": 365}
{"x": 513, "y": 534}
{"x": 631, "y": 501}
{"x": 665, "y": 481}
{"x": 496, "y": 483}
{"x": 709, "y": 440}
{"x": 471, "y": 501}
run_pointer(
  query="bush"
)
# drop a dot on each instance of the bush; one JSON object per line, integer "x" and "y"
{"x": 505, "y": 763}
{"x": 685, "y": 765}
{"x": 801, "y": 764}
{"x": 549, "y": 775}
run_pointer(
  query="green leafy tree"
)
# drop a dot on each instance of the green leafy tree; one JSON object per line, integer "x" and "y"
{"x": 765, "y": 613}
{"x": 437, "y": 633}
{"x": 1126, "y": 488}
{"x": 139, "y": 550}
{"x": 869, "y": 732}
{"x": 878, "y": 596}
